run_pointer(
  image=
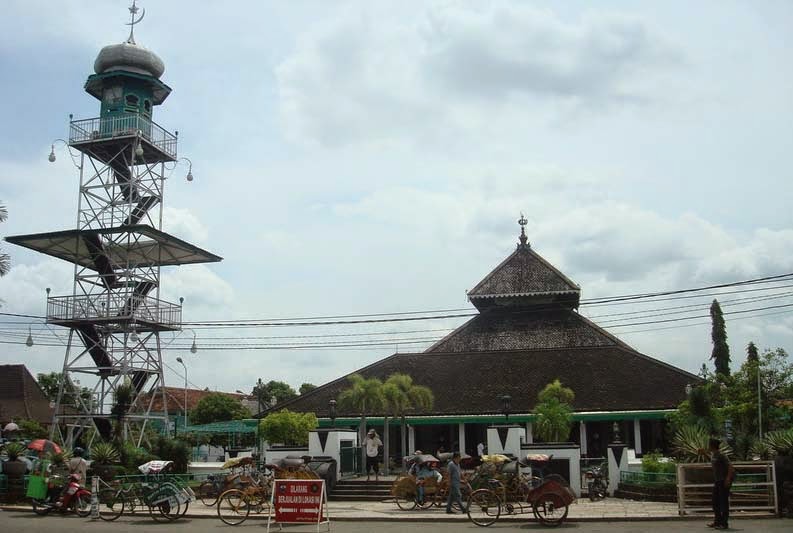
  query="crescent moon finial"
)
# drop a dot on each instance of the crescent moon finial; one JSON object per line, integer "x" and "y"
{"x": 133, "y": 10}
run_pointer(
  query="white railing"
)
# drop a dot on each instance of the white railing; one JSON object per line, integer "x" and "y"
{"x": 101, "y": 128}
{"x": 754, "y": 488}
{"x": 112, "y": 307}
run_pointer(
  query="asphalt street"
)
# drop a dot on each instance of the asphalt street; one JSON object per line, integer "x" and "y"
{"x": 16, "y": 521}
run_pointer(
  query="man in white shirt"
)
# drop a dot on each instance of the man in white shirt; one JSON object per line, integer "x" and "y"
{"x": 373, "y": 444}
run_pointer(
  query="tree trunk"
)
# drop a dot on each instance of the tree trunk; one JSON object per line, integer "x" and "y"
{"x": 386, "y": 450}
{"x": 403, "y": 436}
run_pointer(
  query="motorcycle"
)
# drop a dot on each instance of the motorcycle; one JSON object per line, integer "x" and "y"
{"x": 74, "y": 497}
{"x": 597, "y": 484}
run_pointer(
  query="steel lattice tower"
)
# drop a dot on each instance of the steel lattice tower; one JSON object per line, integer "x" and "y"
{"x": 115, "y": 314}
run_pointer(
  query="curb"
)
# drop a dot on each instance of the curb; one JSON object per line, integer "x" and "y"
{"x": 463, "y": 518}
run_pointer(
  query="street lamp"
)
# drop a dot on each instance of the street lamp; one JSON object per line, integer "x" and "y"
{"x": 506, "y": 405}
{"x": 184, "y": 405}
{"x": 29, "y": 341}
{"x": 332, "y": 412}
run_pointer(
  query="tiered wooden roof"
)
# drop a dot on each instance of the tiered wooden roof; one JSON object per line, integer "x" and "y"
{"x": 528, "y": 333}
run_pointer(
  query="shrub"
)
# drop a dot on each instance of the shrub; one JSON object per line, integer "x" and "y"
{"x": 175, "y": 450}
{"x": 104, "y": 453}
{"x": 780, "y": 442}
{"x": 691, "y": 445}
{"x": 652, "y": 463}
{"x": 14, "y": 450}
{"x": 30, "y": 429}
{"x": 288, "y": 428}
{"x": 132, "y": 457}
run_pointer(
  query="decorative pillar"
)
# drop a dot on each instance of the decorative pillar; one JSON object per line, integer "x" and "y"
{"x": 529, "y": 433}
{"x": 582, "y": 435}
{"x": 411, "y": 440}
{"x": 461, "y": 437}
{"x": 637, "y": 436}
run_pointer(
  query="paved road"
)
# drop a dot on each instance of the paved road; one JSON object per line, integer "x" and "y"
{"x": 15, "y": 521}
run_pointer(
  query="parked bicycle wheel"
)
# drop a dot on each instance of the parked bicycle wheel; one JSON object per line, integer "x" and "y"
{"x": 233, "y": 507}
{"x": 207, "y": 493}
{"x": 111, "y": 504}
{"x": 484, "y": 507}
{"x": 550, "y": 509}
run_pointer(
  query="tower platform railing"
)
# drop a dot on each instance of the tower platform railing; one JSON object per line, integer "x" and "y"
{"x": 97, "y": 129}
{"x": 108, "y": 309}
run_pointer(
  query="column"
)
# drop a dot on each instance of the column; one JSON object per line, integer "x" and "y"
{"x": 637, "y": 436}
{"x": 461, "y": 437}
{"x": 529, "y": 435}
{"x": 582, "y": 434}
{"x": 411, "y": 440}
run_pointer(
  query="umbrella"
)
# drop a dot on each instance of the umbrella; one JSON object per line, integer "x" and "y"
{"x": 11, "y": 427}
{"x": 44, "y": 445}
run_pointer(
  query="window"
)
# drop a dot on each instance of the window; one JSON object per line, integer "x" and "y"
{"x": 147, "y": 107}
{"x": 132, "y": 100}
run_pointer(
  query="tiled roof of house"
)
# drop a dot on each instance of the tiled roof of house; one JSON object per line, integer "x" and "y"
{"x": 176, "y": 398}
{"x": 606, "y": 378}
{"x": 21, "y": 397}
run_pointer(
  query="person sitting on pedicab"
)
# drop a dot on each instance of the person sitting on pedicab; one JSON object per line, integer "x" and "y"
{"x": 427, "y": 470}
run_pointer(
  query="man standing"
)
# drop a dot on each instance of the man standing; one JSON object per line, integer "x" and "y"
{"x": 454, "y": 483}
{"x": 373, "y": 444}
{"x": 723, "y": 474}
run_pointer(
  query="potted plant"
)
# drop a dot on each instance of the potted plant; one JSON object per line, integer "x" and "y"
{"x": 103, "y": 457}
{"x": 13, "y": 467}
{"x": 60, "y": 462}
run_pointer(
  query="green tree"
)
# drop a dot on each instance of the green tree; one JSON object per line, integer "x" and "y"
{"x": 401, "y": 395}
{"x": 286, "y": 427}
{"x": 218, "y": 407}
{"x": 364, "y": 395}
{"x": 272, "y": 393}
{"x": 554, "y": 412}
{"x": 123, "y": 398}
{"x": 721, "y": 350}
{"x": 306, "y": 387}
{"x": 751, "y": 353}
{"x": 5, "y": 259}
{"x": 30, "y": 429}
{"x": 50, "y": 384}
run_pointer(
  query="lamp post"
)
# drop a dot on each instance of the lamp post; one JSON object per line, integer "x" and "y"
{"x": 759, "y": 404}
{"x": 332, "y": 412}
{"x": 184, "y": 405}
{"x": 506, "y": 405}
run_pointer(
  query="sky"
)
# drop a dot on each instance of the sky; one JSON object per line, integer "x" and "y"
{"x": 374, "y": 157}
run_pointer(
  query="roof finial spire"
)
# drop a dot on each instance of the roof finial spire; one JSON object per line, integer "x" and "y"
{"x": 523, "y": 239}
{"x": 133, "y": 10}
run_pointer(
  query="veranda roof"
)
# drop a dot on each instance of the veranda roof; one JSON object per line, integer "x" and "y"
{"x": 230, "y": 426}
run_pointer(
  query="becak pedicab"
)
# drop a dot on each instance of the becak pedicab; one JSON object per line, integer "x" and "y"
{"x": 514, "y": 493}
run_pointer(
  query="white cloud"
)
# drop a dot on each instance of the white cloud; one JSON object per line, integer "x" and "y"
{"x": 445, "y": 70}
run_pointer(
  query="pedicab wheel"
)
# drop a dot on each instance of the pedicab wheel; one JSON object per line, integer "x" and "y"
{"x": 207, "y": 493}
{"x": 484, "y": 507}
{"x": 232, "y": 507}
{"x": 111, "y": 505}
{"x": 81, "y": 506}
{"x": 550, "y": 509}
{"x": 164, "y": 511}
{"x": 406, "y": 502}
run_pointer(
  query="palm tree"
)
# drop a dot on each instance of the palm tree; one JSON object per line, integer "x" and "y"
{"x": 402, "y": 395}
{"x": 365, "y": 396}
{"x": 5, "y": 260}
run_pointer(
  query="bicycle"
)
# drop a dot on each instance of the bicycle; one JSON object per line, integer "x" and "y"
{"x": 234, "y": 505}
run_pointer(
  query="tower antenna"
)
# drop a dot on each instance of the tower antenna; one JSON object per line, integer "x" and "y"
{"x": 133, "y": 10}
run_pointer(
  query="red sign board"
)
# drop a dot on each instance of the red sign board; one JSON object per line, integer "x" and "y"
{"x": 299, "y": 500}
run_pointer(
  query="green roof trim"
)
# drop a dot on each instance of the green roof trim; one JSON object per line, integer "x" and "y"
{"x": 499, "y": 419}
{"x": 248, "y": 425}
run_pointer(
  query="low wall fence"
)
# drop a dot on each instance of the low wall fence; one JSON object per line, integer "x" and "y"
{"x": 754, "y": 488}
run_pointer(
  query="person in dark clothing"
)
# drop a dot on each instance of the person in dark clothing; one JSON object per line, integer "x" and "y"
{"x": 723, "y": 474}
{"x": 455, "y": 474}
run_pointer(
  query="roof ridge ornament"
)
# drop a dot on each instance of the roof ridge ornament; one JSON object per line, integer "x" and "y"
{"x": 524, "y": 244}
{"x": 133, "y": 10}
